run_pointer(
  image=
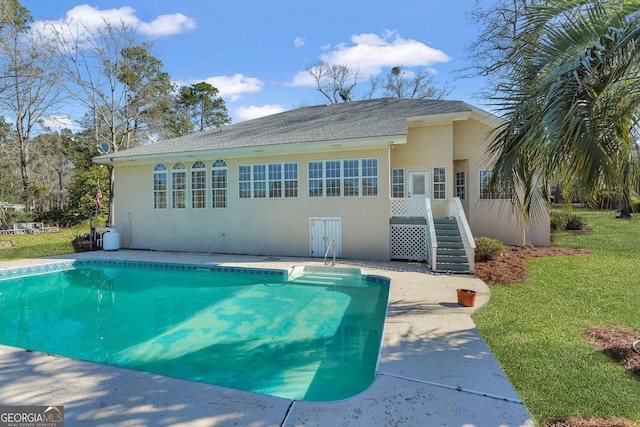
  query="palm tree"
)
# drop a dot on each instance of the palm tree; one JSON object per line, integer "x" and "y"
{"x": 570, "y": 103}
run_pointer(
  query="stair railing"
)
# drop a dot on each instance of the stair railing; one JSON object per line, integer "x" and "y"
{"x": 431, "y": 241}
{"x": 332, "y": 242}
{"x": 455, "y": 210}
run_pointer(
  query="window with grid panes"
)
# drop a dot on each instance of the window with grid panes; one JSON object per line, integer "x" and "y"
{"x": 397, "y": 183}
{"x": 461, "y": 184}
{"x": 439, "y": 183}
{"x": 160, "y": 186}
{"x": 179, "y": 186}
{"x": 272, "y": 181}
{"x": 199, "y": 185}
{"x": 219, "y": 184}
{"x": 343, "y": 178}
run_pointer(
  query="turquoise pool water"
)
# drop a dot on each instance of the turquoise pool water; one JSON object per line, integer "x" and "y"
{"x": 313, "y": 335}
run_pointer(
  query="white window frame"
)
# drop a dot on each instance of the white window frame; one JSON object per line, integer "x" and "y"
{"x": 219, "y": 193}
{"x": 263, "y": 181}
{"x": 397, "y": 183}
{"x": 484, "y": 180}
{"x": 484, "y": 177}
{"x": 178, "y": 193}
{"x": 439, "y": 183}
{"x": 332, "y": 178}
{"x": 160, "y": 170}
{"x": 461, "y": 184}
{"x": 198, "y": 176}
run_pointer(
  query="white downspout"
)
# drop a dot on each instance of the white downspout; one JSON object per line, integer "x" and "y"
{"x": 390, "y": 171}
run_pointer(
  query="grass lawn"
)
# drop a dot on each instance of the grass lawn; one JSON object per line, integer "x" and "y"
{"x": 535, "y": 329}
{"x": 41, "y": 244}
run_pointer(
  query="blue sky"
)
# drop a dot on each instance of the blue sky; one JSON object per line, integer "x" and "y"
{"x": 256, "y": 52}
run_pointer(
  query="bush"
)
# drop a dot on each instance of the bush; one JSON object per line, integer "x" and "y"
{"x": 568, "y": 222}
{"x": 9, "y": 216}
{"x": 557, "y": 222}
{"x": 575, "y": 222}
{"x": 60, "y": 217}
{"x": 488, "y": 249}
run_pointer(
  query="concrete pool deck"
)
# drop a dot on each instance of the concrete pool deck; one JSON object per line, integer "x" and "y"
{"x": 435, "y": 368}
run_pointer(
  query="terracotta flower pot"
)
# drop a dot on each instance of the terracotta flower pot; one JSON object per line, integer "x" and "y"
{"x": 466, "y": 297}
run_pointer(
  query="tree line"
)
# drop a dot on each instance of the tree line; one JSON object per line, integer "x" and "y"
{"x": 124, "y": 98}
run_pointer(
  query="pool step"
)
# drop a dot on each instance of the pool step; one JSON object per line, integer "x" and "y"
{"x": 321, "y": 279}
{"x": 326, "y": 276}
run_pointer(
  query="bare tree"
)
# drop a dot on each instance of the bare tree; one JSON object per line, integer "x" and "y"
{"x": 491, "y": 50}
{"x": 335, "y": 82}
{"x": 11, "y": 188}
{"x": 338, "y": 82}
{"x": 116, "y": 78}
{"x": 31, "y": 81}
{"x": 416, "y": 85}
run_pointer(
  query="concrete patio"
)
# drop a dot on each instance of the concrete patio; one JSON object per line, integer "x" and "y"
{"x": 435, "y": 368}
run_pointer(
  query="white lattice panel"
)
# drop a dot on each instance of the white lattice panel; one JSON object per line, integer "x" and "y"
{"x": 408, "y": 242}
{"x": 408, "y": 207}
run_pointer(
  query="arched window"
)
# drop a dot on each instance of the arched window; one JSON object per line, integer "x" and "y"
{"x": 179, "y": 186}
{"x": 219, "y": 184}
{"x": 160, "y": 186}
{"x": 199, "y": 185}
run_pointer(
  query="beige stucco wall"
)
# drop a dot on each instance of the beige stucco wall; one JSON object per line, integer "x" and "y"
{"x": 280, "y": 227}
{"x": 427, "y": 147}
{"x": 492, "y": 218}
{"x": 461, "y": 146}
{"x": 498, "y": 219}
{"x": 252, "y": 226}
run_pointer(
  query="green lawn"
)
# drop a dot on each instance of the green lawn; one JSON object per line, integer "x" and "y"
{"x": 41, "y": 244}
{"x": 535, "y": 329}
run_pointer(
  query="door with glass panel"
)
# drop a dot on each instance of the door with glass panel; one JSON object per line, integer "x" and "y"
{"x": 418, "y": 184}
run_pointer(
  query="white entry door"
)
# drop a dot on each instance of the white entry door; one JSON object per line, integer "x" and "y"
{"x": 418, "y": 185}
{"x": 322, "y": 230}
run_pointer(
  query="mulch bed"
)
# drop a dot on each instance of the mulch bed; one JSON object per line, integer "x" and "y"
{"x": 617, "y": 344}
{"x": 614, "y": 342}
{"x": 510, "y": 269}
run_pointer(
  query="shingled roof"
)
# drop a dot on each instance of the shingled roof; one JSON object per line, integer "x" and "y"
{"x": 344, "y": 121}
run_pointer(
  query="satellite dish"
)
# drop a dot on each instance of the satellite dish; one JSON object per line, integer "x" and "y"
{"x": 104, "y": 148}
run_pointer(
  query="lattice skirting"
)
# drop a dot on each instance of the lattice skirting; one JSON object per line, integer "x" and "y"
{"x": 408, "y": 242}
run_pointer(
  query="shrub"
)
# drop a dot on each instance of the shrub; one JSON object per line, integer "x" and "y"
{"x": 488, "y": 249}
{"x": 568, "y": 222}
{"x": 557, "y": 222}
{"x": 575, "y": 222}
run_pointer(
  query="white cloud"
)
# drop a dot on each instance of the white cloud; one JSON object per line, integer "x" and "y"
{"x": 299, "y": 41}
{"x": 370, "y": 53}
{"x": 56, "y": 123}
{"x": 302, "y": 79}
{"x": 233, "y": 87}
{"x": 253, "y": 111}
{"x": 93, "y": 18}
{"x": 167, "y": 25}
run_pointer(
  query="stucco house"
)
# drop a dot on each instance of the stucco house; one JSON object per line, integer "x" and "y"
{"x": 377, "y": 179}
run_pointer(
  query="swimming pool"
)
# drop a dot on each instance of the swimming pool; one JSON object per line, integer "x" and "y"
{"x": 309, "y": 333}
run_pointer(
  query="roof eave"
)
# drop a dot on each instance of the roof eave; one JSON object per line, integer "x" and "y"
{"x": 351, "y": 144}
{"x": 438, "y": 119}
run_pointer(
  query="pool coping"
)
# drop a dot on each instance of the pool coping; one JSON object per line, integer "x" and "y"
{"x": 434, "y": 367}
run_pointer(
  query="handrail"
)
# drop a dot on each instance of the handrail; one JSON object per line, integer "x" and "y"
{"x": 455, "y": 209}
{"x": 431, "y": 240}
{"x": 332, "y": 242}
